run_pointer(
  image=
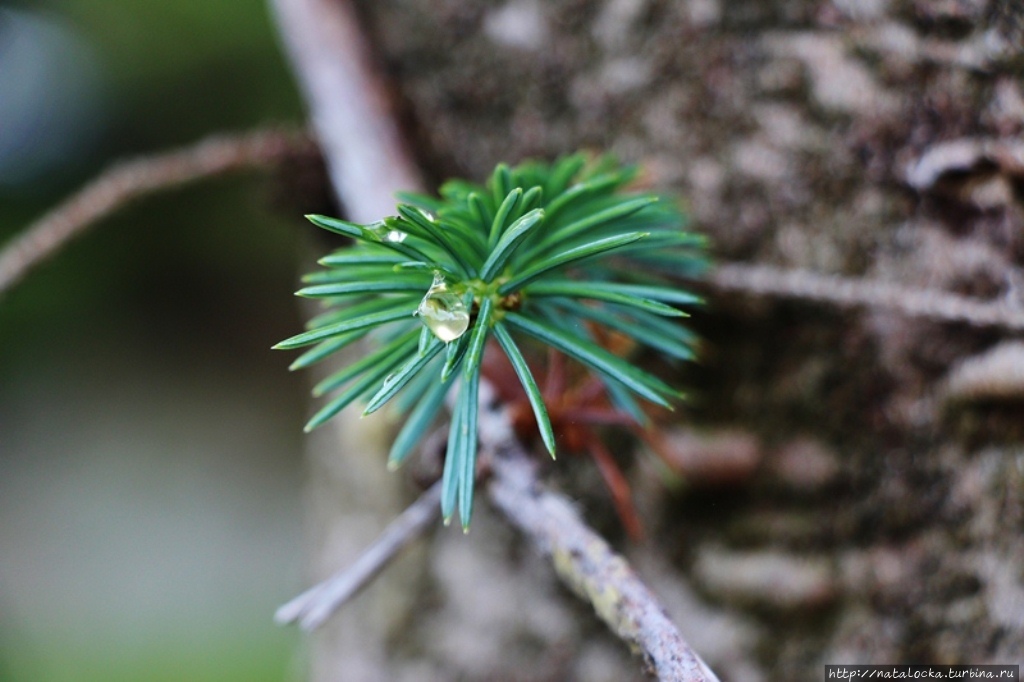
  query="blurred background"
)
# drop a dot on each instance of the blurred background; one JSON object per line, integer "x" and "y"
{"x": 149, "y": 439}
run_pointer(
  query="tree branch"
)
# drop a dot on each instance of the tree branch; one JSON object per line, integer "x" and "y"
{"x": 586, "y": 563}
{"x": 129, "y": 180}
{"x": 763, "y": 280}
{"x": 264, "y": 148}
{"x": 366, "y": 156}
{"x": 314, "y": 606}
{"x": 581, "y": 557}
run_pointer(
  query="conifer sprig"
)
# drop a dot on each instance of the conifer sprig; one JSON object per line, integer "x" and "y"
{"x": 540, "y": 252}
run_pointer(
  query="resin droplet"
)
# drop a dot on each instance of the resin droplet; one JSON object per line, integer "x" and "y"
{"x": 443, "y": 312}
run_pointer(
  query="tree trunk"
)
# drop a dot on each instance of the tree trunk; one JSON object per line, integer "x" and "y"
{"x": 870, "y": 509}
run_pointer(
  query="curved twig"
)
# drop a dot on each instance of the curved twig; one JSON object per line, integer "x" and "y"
{"x": 128, "y": 180}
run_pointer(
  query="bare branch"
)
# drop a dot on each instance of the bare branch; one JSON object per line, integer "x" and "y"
{"x": 762, "y": 280}
{"x": 351, "y": 114}
{"x": 314, "y": 606}
{"x": 129, "y": 180}
{"x": 582, "y": 558}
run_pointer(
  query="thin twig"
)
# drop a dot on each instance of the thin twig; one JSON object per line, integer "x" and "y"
{"x": 582, "y": 558}
{"x": 366, "y": 156}
{"x": 129, "y": 180}
{"x": 314, "y": 606}
{"x": 763, "y": 280}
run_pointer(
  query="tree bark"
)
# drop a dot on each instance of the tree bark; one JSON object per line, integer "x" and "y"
{"x": 875, "y": 519}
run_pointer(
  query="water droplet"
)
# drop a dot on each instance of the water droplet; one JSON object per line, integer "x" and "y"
{"x": 384, "y": 233}
{"x": 443, "y": 312}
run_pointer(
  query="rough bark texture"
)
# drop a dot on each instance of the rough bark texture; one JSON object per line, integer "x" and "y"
{"x": 860, "y": 509}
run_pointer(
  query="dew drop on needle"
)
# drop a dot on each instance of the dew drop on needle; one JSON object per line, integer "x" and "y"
{"x": 443, "y": 312}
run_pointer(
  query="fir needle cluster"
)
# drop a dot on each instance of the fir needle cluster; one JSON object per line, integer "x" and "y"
{"x": 544, "y": 253}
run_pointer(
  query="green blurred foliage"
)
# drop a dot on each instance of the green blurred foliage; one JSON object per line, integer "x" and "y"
{"x": 247, "y": 657}
{"x": 200, "y": 275}
{"x": 180, "y": 69}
